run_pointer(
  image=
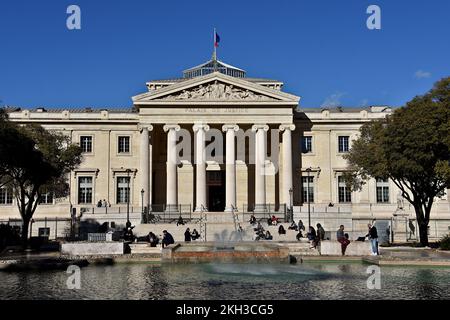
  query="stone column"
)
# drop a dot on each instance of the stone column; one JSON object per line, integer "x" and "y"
{"x": 260, "y": 159}
{"x": 145, "y": 164}
{"x": 171, "y": 165}
{"x": 287, "y": 162}
{"x": 200, "y": 161}
{"x": 230, "y": 167}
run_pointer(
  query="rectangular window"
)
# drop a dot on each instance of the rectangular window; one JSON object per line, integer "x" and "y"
{"x": 85, "y": 190}
{"x": 6, "y": 196}
{"x": 124, "y": 145}
{"x": 123, "y": 190}
{"x": 308, "y": 189}
{"x": 86, "y": 144}
{"x": 343, "y": 144}
{"x": 46, "y": 198}
{"x": 345, "y": 194}
{"x": 307, "y": 145}
{"x": 382, "y": 190}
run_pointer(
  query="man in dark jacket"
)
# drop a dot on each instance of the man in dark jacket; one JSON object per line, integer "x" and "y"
{"x": 167, "y": 239}
{"x": 373, "y": 237}
{"x": 187, "y": 235}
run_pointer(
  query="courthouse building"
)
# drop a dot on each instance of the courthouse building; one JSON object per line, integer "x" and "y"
{"x": 215, "y": 140}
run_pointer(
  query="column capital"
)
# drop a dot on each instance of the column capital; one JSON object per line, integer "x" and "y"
{"x": 257, "y": 127}
{"x": 143, "y": 126}
{"x": 168, "y": 127}
{"x": 200, "y": 126}
{"x": 227, "y": 127}
{"x": 285, "y": 127}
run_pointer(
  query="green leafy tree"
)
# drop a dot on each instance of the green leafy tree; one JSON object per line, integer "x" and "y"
{"x": 34, "y": 161}
{"x": 412, "y": 148}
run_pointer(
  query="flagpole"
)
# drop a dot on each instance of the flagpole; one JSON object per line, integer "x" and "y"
{"x": 214, "y": 44}
{"x": 215, "y": 51}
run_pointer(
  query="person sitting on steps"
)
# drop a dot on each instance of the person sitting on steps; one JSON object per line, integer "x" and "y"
{"x": 293, "y": 226}
{"x": 273, "y": 221}
{"x": 153, "y": 239}
{"x": 195, "y": 235}
{"x": 281, "y": 230}
{"x": 167, "y": 239}
{"x": 180, "y": 221}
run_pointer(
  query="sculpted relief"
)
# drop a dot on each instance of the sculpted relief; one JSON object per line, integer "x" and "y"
{"x": 218, "y": 91}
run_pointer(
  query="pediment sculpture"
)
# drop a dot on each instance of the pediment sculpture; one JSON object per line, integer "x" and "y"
{"x": 218, "y": 91}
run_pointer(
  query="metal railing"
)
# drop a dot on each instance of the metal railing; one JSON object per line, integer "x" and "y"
{"x": 59, "y": 227}
{"x": 265, "y": 211}
{"x": 96, "y": 237}
{"x": 237, "y": 223}
{"x": 202, "y": 223}
{"x": 161, "y": 213}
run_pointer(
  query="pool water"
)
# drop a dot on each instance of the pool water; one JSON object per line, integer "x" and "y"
{"x": 229, "y": 281}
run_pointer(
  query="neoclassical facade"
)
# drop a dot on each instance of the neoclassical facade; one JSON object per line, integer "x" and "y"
{"x": 214, "y": 140}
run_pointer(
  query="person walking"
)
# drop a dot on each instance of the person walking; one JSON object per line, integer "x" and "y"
{"x": 320, "y": 232}
{"x": 342, "y": 239}
{"x": 373, "y": 237}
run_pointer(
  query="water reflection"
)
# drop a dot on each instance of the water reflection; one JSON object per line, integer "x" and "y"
{"x": 229, "y": 281}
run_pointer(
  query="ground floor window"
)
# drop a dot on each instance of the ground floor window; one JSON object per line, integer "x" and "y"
{"x": 308, "y": 189}
{"x": 344, "y": 192}
{"x": 123, "y": 190}
{"x": 382, "y": 190}
{"x": 46, "y": 198}
{"x": 6, "y": 196}
{"x": 85, "y": 190}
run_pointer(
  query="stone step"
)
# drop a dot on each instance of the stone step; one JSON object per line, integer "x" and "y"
{"x": 144, "y": 248}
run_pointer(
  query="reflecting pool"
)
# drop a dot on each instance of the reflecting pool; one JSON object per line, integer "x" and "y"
{"x": 229, "y": 281}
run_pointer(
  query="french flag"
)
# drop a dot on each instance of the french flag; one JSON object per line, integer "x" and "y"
{"x": 216, "y": 39}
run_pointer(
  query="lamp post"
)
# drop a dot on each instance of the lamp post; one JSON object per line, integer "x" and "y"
{"x": 142, "y": 201}
{"x": 128, "y": 198}
{"x": 308, "y": 171}
{"x": 290, "y": 205}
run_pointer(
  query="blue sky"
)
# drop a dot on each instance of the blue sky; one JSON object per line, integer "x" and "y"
{"x": 322, "y": 50}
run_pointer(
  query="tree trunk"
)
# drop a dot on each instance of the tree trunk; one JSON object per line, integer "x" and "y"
{"x": 423, "y": 232}
{"x": 25, "y": 229}
{"x": 422, "y": 222}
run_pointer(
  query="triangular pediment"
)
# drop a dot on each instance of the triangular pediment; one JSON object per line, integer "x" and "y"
{"x": 215, "y": 87}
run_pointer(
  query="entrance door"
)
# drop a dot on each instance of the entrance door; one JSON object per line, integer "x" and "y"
{"x": 216, "y": 190}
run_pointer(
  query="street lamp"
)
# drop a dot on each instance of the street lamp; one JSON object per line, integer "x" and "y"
{"x": 290, "y": 204}
{"x": 142, "y": 199}
{"x": 308, "y": 171}
{"x": 128, "y": 198}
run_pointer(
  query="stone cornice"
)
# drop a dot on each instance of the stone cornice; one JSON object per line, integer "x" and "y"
{"x": 242, "y": 83}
